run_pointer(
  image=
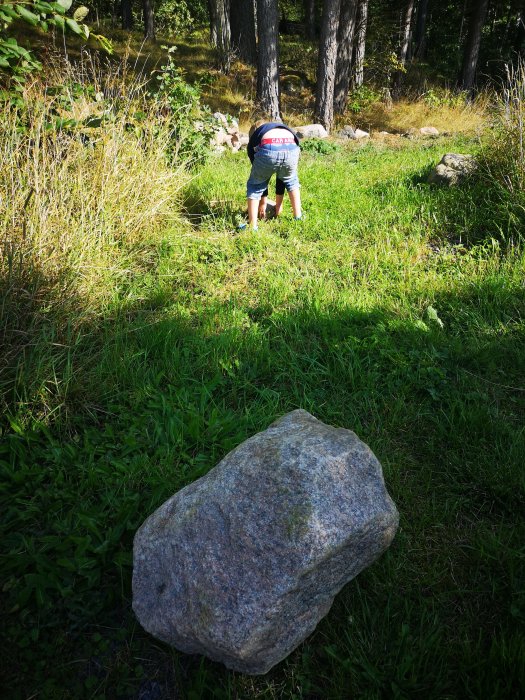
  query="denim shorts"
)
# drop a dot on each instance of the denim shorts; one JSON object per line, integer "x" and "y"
{"x": 281, "y": 159}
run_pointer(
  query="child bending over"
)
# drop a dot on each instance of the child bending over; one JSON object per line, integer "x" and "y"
{"x": 272, "y": 148}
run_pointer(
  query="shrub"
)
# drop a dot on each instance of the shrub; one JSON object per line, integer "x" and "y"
{"x": 319, "y": 147}
{"x": 191, "y": 123}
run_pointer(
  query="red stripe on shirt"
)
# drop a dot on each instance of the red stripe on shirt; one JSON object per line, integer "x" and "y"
{"x": 278, "y": 140}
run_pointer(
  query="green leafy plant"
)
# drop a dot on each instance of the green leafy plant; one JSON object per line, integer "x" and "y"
{"x": 192, "y": 122}
{"x": 436, "y": 98}
{"x": 319, "y": 147}
{"x": 16, "y": 61}
{"x": 361, "y": 98}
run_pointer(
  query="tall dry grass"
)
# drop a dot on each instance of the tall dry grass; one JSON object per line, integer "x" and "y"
{"x": 446, "y": 112}
{"x": 79, "y": 206}
{"x": 504, "y": 146}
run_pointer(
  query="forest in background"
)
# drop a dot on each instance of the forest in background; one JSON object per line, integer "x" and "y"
{"x": 393, "y": 46}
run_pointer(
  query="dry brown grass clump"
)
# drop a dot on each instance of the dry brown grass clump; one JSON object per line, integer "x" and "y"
{"x": 80, "y": 207}
{"x": 454, "y": 116}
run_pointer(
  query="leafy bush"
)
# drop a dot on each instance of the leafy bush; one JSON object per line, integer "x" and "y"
{"x": 361, "y": 98}
{"x": 176, "y": 16}
{"x": 436, "y": 98}
{"x": 16, "y": 62}
{"x": 319, "y": 147}
{"x": 192, "y": 124}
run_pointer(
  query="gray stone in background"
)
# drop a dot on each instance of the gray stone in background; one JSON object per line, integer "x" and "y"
{"x": 242, "y": 564}
{"x": 429, "y": 131}
{"x": 311, "y": 131}
{"x": 347, "y": 132}
{"x": 452, "y": 168}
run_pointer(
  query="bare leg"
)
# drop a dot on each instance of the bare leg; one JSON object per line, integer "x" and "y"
{"x": 278, "y": 204}
{"x": 262, "y": 207}
{"x": 253, "y": 206}
{"x": 295, "y": 201}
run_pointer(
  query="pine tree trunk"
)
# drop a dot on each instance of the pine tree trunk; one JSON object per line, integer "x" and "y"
{"x": 149, "y": 20}
{"x": 326, "y": 65}
{"x": 268, "y": 58}
{"x": 242, "y": 21}
{"x": 421, "y": 25}
{"x": 360, "y": 43}
{"x": 309, "y": 18}
{"x": 127, "y": 14}
{"x": 403, "y": 44}
{"x": 212, "y": 10}
{"x": 345, "y": 43}
{"x": 223, "y": 34}
{"x": 470, "y": 59}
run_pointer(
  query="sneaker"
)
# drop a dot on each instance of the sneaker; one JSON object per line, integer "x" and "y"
{"x": 241, "y": 226}
{"x": 298, "y": 218}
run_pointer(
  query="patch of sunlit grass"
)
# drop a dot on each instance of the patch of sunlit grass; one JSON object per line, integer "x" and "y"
{"x": 404, "y": 115}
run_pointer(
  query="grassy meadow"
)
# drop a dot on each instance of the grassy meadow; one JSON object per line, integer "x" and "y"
{"x": 145, "y": 338}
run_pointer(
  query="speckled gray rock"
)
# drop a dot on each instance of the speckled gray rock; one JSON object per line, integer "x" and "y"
{"x": 452, "y": 168}
{"x": 429, "y": 131}
{"x": 347, "y": 132}
{"x": 311, "y": 131}
{"x": 242, "y": 564}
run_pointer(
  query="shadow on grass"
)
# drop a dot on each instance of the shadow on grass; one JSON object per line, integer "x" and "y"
{"x": 442, "y": 409}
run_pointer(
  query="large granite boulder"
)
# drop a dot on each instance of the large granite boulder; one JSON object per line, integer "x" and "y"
{"x": 242, "y": 564}
{"x": 452, "y": 169}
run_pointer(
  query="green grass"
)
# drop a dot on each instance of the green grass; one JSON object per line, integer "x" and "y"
{"x": 394, "y": 309}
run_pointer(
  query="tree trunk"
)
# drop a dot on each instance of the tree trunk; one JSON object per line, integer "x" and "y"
{"x": 149, "y": 20}
{"x": 127, "y": 14}
{"x": 309, "y": 18}
{"x": 345, "y": 43}
{"x": 421, "y": 25}
{"x": 268, "y": 58}
{"x": 242, "y": 21}
{"x": 326, "y": 65}
{"x": 520, "y": 31}
{"x": 403, "y": 44}
{"x": 223, "y": 34}
{"x": 360, "y": 43}
{"x": 212, "y": 10}
{"x": 470, "y": 59}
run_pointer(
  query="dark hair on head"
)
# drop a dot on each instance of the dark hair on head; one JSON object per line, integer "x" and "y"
{"x": 255, "y": 126}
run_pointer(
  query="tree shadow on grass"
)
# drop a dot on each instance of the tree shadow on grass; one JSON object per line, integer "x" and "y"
{"x": 200, "y": 210}
{"x": 441, "y": 407}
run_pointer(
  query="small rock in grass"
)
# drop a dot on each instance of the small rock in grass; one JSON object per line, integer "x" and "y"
{"x": 360, "y": 134}
{"x": 347, "y": 132}
{"x": 429, "y": 131}
{"x": 221, "y": 138}
{"x": 452, "y": 168}
{"x": 242, "y": 564}
{"x": 221, "y": 118}
{"x": 270, "y": 209}
{"x": 311, "y": 131}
